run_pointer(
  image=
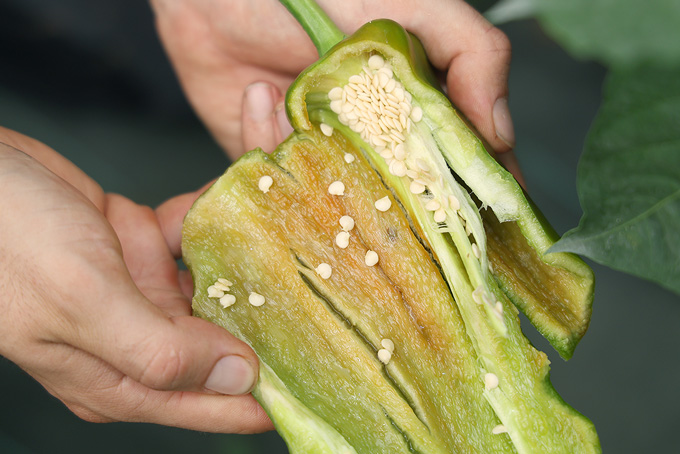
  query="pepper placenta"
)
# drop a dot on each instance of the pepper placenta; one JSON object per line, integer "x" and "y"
{"x": 395, "y": 332}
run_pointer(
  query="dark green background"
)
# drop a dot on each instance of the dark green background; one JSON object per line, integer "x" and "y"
{"x": 89, "y": 78}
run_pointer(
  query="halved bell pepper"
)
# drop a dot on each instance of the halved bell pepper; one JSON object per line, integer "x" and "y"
{"x": 373, "y": 268}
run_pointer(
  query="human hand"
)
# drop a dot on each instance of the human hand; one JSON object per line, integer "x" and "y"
{"x": 92, "y": 305}
{"x": 220, "y": 47}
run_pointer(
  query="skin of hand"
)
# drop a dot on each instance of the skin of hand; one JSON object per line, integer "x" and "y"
{"x": 93, "y": 306}
{"x": 222, "y": 49}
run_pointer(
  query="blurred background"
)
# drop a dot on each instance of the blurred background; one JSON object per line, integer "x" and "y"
{"x": 90, "y": 79}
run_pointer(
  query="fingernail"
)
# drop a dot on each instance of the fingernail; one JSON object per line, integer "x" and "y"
{"x": 282, "y": 120}
{"x": 259, "y": 101}
{"x": 503, "y": 122}
{"x": 231, "y": 375}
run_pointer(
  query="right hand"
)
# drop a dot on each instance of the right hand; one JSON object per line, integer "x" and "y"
{"x": 221, "y": 47}
{"x": 93, "y": 309}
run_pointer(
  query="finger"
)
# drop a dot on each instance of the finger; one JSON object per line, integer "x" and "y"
{"x": 96, "y": 392}
{"x": 171, "y": 215}
{"x": 146, "y": 254}
{"x": 264, "y": 122}
{"x": 186, "y": 283}
{"x": 113, "y": 321}
{"x": 476, "y": 56}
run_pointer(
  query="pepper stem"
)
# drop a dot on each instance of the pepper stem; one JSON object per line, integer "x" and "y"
{"x": 317, "y": 24}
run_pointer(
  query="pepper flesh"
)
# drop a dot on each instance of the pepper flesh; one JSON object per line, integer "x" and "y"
{"x": 317, "y": 339}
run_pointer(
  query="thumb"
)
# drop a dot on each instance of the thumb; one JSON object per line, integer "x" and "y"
{"x": 264, "y": 122}
{"x": 179, "y": 353}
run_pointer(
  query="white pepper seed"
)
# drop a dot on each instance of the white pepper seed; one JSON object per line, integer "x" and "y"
{"x": 347, "y": 223}
{"x": 220, "y": 286}
{"x": 377, "y": 141}
{"x": 265, "y": 183}
{"x": 422, "y": 165}
{"x": 388, "y": 345}
{"x": 336, "y": 188}
{"x": 417, "y": 114}
{"x": 384, "y": 356}
{"x": 398, "y": 168}
{"x": 490, "y": 381}
{"x": 477, "y": 294}
{"x": 412, "y": 174}
{"x": 383, "y": 204}
{"x": 327, "y": 130}
{"x": 440, "y": 215}
{"x": 383, "y": 79}
{"x": 386, "y": 153}
{"x": 324, "y": 270}
{"x": 256, "y": 299}
{"x": 400, "y": 152}
{"x": 342, "y": 239}
{"x": 336, "y": 106}
{"x": 349, "y": 158}
{"x": 433, "y": 205}
{"x": 227, "y": 300}
{"x": 376, "y": 62}
{"x": 499, "y": 429}
{"x": 214, "y": 292}
{"x": 335, "y": 94}
{"x": 371, "y": 258}
{"x": 454, "y": 203}
{"x": 387, "y": 71}
{"x": 224, "y": 281}
{"x": 475, "y": 251}
{"x": 416, "y": 188}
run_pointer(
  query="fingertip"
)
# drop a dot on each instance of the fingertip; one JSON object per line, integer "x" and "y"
{"x": 259, "y": 116}
{"x": 232, "y": 375}
{"x": 502, "y": 120}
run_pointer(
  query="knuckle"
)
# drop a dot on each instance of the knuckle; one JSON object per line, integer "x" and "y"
{"x": 165, "y": 369}
{"x": 498, "y": 41}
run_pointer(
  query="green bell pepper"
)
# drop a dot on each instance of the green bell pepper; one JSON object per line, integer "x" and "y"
{"x": 381, "y": 260}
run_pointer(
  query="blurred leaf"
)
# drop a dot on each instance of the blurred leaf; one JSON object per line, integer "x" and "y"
{"x": 629, "y": 178}
{"x": 615, "y": 32}
{"x": 510, "y": 10}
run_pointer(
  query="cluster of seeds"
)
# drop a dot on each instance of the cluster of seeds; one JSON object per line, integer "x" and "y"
{"x": 377, "y": 106}
{"x": 481, "y": 296}
{"x": 385, "y": 353}
{"x": 220, "y": 288}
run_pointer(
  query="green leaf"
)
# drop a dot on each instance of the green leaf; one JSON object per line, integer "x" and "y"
{"x": 615, "y": 32}
{"x": 629, "y": 178}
